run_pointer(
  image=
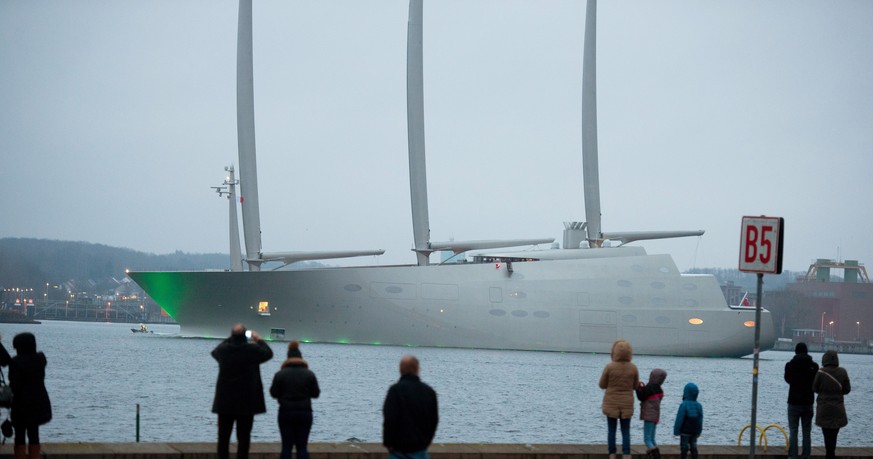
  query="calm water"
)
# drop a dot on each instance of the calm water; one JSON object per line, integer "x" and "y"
{"x": 97, "y": 373}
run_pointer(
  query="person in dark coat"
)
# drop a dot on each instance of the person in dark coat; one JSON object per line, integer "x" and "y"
{"x": 410, "y": 414}
{"x": 239, "y": 393}
{"x": 799, "y": 374}
{"x": 31, "y": 406}
{"x": 294, "y": 386}
{"x": 831, "y": 383}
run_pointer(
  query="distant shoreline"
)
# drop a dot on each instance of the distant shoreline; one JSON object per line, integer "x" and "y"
{"x": 841, "y": 347}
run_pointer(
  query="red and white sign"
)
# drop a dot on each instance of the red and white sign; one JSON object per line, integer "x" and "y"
{"x": 761, "y": 244}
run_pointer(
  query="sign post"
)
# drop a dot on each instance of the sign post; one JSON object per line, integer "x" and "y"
{"x": 760, "y": 252}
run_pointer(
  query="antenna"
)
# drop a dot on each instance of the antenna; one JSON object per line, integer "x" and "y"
{"x": 228, "y": 189}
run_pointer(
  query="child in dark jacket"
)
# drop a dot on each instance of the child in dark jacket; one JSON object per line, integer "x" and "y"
{"x": 689, "y": 421}
{"x": 650, "y": 396}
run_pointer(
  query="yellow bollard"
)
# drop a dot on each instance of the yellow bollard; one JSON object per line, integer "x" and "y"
{"x": 762, "y": 438}
{"x": 777, "y": 426}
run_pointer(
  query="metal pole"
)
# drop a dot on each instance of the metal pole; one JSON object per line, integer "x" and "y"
{"x": 754, "y": 431}
{"x": 137, "y": 422}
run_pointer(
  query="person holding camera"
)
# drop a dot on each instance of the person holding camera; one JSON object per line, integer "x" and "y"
{"x": 31, "y": 406}
{"x": 239, "y": 393}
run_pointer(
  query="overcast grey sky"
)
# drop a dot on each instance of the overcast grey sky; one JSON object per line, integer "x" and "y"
{"x": 117, "y": 117}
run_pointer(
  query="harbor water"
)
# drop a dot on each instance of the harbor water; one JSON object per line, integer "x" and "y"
{"x": 98, "y": 372}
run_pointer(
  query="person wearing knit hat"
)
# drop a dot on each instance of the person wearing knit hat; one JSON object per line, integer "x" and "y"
{"x": 294, "y": 349}
{"x": 799, "y": 374}
{"x": 294, "y": 386}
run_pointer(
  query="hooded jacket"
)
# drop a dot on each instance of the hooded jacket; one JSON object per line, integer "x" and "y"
{"x": 620, "y": 378}
{"x": 689, "y": 418}
{"x": 30, "y": 400}
{"x": 831, "y": 383}
{"x": 650, "y": 396}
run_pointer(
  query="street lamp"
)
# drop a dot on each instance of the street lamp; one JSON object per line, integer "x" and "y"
{"x": 858, "y": 335}
{"x": 831, "y": 329}
{"x": 821, "y": 330}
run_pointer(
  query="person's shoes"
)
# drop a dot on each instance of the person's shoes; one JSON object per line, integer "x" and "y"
{"x": 656, "y": 453}
{"x": 20, "y": 451}
{"x": 611, "y": 456}
{"x": 33, "y": 451}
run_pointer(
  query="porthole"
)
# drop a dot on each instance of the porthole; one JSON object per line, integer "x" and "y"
{"x": 658, "y": 285}
{"x": 393, "y": 289}
{"x": 497, "y": 312}
{"x": 352, "y": 287}
{"x": 519, "y": 313}
{"x": 625, "y": 300}
{"x": 541, "y": 314}
{"x": 695, "y": 321}
{"x": 625, "y": 283}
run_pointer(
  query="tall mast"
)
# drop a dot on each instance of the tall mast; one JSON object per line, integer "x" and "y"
{"x": 245, "y": 124}
{"x": 590, "y": 174}
{"x": 415, "y": 133}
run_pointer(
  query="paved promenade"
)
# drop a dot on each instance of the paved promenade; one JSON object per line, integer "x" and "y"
{"x": 374, "y": 451}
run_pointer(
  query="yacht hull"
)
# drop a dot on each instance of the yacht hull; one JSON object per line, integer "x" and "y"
{"x": 572, "y": 305}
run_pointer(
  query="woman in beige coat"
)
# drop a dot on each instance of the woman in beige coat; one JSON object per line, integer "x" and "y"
{"x": 620, "y": 379}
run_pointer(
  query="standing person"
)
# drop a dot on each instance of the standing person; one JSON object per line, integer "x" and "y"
{"x": 650, "y": 396}
{"x": 799, "y": 373}
{"x": 31, "y": 406}
{"x": 689, "y": 421}
{"x": 620, "y": 378}
{"x": 410, "y": 414}
{"x": 831, "y": 383}
{"x": 294, "y": 386}
{"x": 239, "y": 393}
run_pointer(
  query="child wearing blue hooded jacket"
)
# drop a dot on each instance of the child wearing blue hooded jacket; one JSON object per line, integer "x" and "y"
{"x": 689, "y": 421}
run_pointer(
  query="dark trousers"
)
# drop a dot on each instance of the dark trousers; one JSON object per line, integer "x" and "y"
{"x": 686, "y": 443}
{"x": 22, "y": 430}
{"x": 800, "y": 414}
{"x": 294, "y": 427}
{"x": 243, "y": 434}
{"x": 830, "y": 439}
{"x": 625, "y": 435}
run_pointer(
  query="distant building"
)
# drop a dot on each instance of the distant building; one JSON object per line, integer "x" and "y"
{"x": 840, "y": 311}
